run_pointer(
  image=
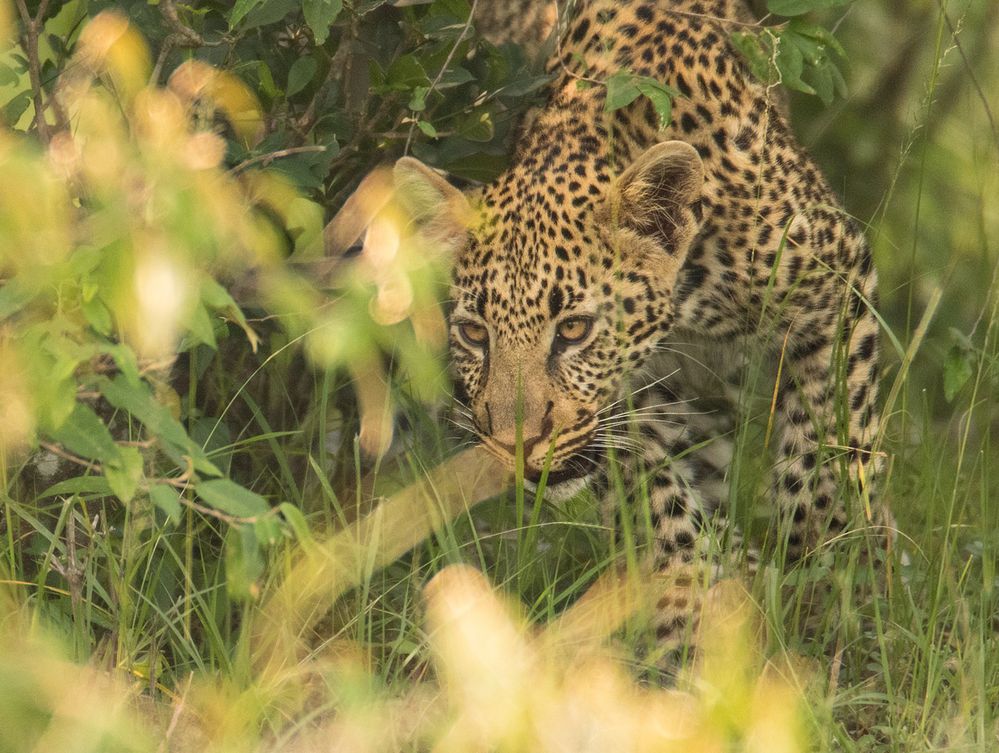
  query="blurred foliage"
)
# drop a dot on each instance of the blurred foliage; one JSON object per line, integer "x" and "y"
{"x": 517, "y": 692}
{"x": 123, "y": 230}
{"x": 183, "y": 351}
{"x": 912, "y": 149}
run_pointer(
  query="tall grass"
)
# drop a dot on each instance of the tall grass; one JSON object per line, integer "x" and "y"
{"x": 119, "y": 632}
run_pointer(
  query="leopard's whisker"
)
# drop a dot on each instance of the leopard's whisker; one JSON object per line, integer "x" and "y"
{"x": 638, "y": 391}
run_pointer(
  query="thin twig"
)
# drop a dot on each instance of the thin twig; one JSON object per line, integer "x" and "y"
{"x": 213, "y": 513}
{"x": 186, "y": 36}
{"x": 73, "y": 570}
{"x": 55, "y": 449}
{"x": 168, "y": 44}
{"x": 443, "y": 70}
{"x": 718, "y": 19}
{"x": 559, "y": 33}
{"x": 308, "y": 119}
{"x": 266, "y": 159}
{"x": 971, "y": 71}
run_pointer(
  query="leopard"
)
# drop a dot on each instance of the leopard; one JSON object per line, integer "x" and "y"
{"x": 612, "y": 280}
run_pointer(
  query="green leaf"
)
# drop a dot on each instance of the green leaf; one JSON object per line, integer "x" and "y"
{"x": 81, "y": 485}
{"x": 300, "y": 75}
{"x": 307, "y": 171}
{"x": 269, "y": 12}
{"x": 141, "y": 404}
{"x": 791, "y": 64}
{"x": 478, "y": 126}
{"x": 320, "y": 15}
{"x": 14, "y": 296}
{"x": 418, "y": 100}
{"x": 530, "y": 84}
{"x": 124, "y": 473}
{"x": 798, "y": 7}
{"x": 661, "y": 97}
{"x": 482, "y": 167}
{"x": 126, "y": 361}
{"x": 363, "y": 7}
{"x": 304, "y": 222}
{"x": 820, "y": 78}
{"x": 56, "y": 400}
{"x": 427, "y": 128}
{"x": 267, "y": 529}
{"x": 84, "y": 434}
{"x": 957, "y": 370}
{"x": 200, "y": 325}
{"x": 85, "y": 259}
{"x": 8, "y": 76}
{"x": 818, "y": 33}
{"x": 453, "y": 77}
{"x": 14, "y": 109}
{"x": 298, "y": 524}
{"x": 98, "y": 316}
{"x": 812, "y": 51}
{"x": 266, "y": 79}
{"x": 756, "y": 52}
{"x": 232, "y": 499}
{"x": 838, "y": 81}
{"x": 622, "y": 90}
{"x": 405, "y": 73}
{"x": 244, "y": 563}
{"x": 217, "y": 298}
{"x": 167, "y": 499}
{"x": 239, "y": 10}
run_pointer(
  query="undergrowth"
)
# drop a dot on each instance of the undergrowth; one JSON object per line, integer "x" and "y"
{"x": 265, "y": 616}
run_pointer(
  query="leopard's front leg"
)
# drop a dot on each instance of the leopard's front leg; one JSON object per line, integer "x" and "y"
{"x": 655, "y": 510}
{"x": 826, "y": 422}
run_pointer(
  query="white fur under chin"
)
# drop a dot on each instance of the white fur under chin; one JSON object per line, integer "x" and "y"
{"x": 563, "y": 491}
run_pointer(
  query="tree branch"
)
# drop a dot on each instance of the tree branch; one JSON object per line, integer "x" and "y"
{"x": 29, "y": 41}
{"x": 266, "y": 159}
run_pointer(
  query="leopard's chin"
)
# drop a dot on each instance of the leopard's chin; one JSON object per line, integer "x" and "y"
{"x": 561, "y": 489}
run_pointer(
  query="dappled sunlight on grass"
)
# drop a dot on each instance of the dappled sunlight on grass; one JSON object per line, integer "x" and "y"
{"x": 493, "y": 681}
{"x": 233, "y": 516}
{"x": 498, "y": 683}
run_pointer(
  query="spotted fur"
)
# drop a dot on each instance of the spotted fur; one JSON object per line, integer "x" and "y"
{"x": 718, "y": 230}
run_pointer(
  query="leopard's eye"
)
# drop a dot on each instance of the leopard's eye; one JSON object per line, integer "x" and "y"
{"x": 574, "y": 330}
{"x": 473, "y": 334}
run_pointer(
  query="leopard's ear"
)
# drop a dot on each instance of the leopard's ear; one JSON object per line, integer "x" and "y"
{"x": 659, "y": 195}
{"x": 441, "y": 212}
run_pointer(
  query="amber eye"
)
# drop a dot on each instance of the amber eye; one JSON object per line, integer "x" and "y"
{"x": 473, "y": 334}
{"x": 574, "y": 330}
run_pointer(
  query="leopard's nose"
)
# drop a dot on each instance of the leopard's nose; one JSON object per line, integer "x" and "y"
{"x": 509, "y": 444}
{"x": 503, "y": 426}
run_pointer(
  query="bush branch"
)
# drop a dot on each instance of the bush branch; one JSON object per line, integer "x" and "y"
{"x": 29, "y": 41}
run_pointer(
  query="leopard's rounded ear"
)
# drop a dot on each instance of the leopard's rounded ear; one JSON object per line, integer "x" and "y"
{"x": 659, "y": 195}
{"x": 440, "y": 210}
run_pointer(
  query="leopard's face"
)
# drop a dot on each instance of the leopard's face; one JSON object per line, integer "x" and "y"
{"x": 560, "y": 291}
{"x": 543, "y": 332}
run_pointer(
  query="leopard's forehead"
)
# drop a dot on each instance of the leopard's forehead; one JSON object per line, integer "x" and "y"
{"x": 537, "y": 248}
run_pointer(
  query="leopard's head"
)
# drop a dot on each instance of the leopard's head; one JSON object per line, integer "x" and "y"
{"x": 562, "y": 285}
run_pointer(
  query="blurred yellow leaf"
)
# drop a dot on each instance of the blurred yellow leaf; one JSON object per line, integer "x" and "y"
{"x": 162, "y": 297}
{"x": 17, "y": 414}
{"x": 6, "y": 20}
{"x": 35, "y": 210}
{"x": 109, "y": 44}
{"x": 194, "y": 80}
